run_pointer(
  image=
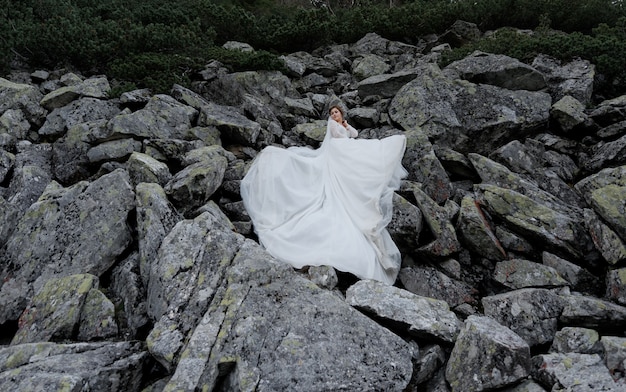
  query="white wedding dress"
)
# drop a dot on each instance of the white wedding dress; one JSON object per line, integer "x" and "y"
{"x": 328, "y": 206}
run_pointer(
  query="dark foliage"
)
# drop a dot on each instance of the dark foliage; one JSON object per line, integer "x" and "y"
{"x": 153, "y": 43}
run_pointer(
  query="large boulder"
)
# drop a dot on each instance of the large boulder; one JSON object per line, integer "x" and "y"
{"x": 466, "y": 116}
{"x": 80, "y": 229}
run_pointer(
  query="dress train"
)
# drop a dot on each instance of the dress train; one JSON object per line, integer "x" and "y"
{"x": 328, "y": 206}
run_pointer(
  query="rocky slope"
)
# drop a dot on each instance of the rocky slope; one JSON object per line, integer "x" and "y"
{"x": 129, "y": 263}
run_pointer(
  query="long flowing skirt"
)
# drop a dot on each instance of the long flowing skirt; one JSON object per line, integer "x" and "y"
{"x": 329, "y": 206}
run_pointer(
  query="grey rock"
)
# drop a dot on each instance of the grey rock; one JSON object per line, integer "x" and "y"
{"x": 535, "y": 220}
{"x": 70, "y": 79}
{"x": 578, "y": 278}
{"x": 605, "y": 154}
{"x": 514, "y": 243}
{"x": 574, "y": 78}
{"x": 183, "y": 278}
{"x": 222, "y": 118}
{"x": 313, "y": 82}
{"x": 259, "y": 310}
{"x": 612, "y": 131}
{"x": 609, "y": 111}
{"x": 466, "y": 116}
{"x": 610, "y": 203}
{"x": 446, "y": 242}
{"x": 574, "y": 372}
{"x": 531, "y": 313}
{"x": 485, "y": 356}
{"x": 562, "y": 165}
{"x": 525, "y": 386}
{"x": 569, "y": 113}
{"x": 231, "y": 89}
{"x": 156, "y": 217}
{"x": 63, "y": 306}
{"x": 385, "y": 85}
{"x": 421, "y": 316}
{"x": 24, "y": 97}
{"x": 235, "y": 210}
{"x": 616, "y": 286}
{"x": 430, "y": 282}
{"x": 29, "y": 181}
{"x": 144, "y": 168}
{"x": 97, "y": 318}
{"x": 610, "y": 245}
{"x": 301, "y": 106}
{"x": 213, "y": 70}
{"x": 241, "y": 46}
{"x": 497, "y": 70}
{"x": 7, "y": 160}
{"x": 591, "y": 312}
{"x": 364, "y": 117}
{"x": 136, "y": 97}
{"x": 265, "y": 116}
{"x": 314, "y": 131}
{"x": 81, "y": 229}
{"x": 163, "y": 117}
{"x": 9, "y": 216}
{"x": 423, "y": 166}
{"x": 296, "y": 66}
{"x": 406, "y": 223}
{"x": 195, "y": 184}
{"x": 114, "y": 150}
{"x": 315, "y": 64}
{"x": 576, "y": 340}
{"x": 230, "y": 123}
{"x": 369, "y": 65}
{"x": 371, "y": 43}
{"x": 475, "y": 231}
{"x": 430, "y": 360}
{"x": 520, "y": 273}
{"x": 102, "y": 366}
{"x": 69, "y": 153}
{"x": 608, "y": 176}
{"x": 170, "y": 150}
{"x": 614, "y": 353}
{"x": 530, "y": 161}
{"x": 461, "y": 32}
{"x": 77, "y": 112}
{"x": 40, "y": 75}
{"x": 324, "y": 276}
{"x": 95, "y": 87}
{"x": 13, "y": 122}
{"x": 455, "y": 163}
{"x": 128, "y": 293}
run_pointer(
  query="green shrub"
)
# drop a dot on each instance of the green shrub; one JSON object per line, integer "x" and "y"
{"x": 160, "y": 71}
{"x": 236, "y": 60}
{"x": 156, "y": 71}
{"x": 605, "y": 47}
{"x": 304, "y": 29}
{"x": 158, "y": 42}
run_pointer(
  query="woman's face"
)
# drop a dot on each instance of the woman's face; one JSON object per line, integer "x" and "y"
{"x": 336, "y": 115}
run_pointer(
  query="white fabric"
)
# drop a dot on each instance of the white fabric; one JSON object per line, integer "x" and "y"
{"x": 328, "y": 206}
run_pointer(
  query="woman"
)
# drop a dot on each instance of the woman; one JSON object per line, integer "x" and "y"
{"x": 347, "y": 131}
{"x": 329, "y": 206}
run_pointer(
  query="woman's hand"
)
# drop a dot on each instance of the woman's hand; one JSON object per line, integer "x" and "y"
{"x": 345, "y": 124}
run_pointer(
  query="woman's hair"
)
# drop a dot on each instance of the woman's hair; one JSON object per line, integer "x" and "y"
{"x": 338, "y": 108}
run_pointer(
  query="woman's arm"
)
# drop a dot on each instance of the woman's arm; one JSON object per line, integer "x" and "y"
{"x": 351, "y": 131}
{"x": 342, "y": 130}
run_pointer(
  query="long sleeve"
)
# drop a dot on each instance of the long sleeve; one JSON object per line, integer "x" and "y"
{"x": 339, "y": 131}
{"x": 352, "y": 132}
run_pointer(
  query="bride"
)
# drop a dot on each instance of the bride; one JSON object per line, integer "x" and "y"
{"x": 329, "y": 206}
